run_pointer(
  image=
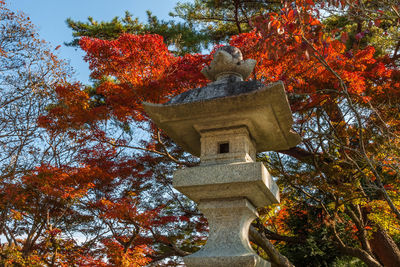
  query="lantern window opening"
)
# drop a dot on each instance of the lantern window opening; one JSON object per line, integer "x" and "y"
{"x": 223, "y": 147}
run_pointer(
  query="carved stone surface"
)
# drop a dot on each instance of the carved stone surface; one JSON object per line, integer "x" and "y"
{"x": 228, "y": 63}
{"x": 228, "y": 187}
{"x": 241, "y": 147}
{"x": 249, "y": 179}
{"x": 228, "y": 244}
{"x": 216, "y": 90}
{"x": 264, "y": 110}
{"x": 225, "y": 124}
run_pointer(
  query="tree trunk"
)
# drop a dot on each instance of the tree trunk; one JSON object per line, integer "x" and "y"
{"x": 385, "y": 248}
{"x": 276, "y": 258}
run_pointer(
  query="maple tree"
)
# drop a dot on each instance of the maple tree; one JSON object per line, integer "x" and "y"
{"x": 339, "y": 186}
{"x": 59, "y": 200}
{"x": 345, "y": 103}
{"x": 28, "y": 71}
{"x": 182, "y": 36}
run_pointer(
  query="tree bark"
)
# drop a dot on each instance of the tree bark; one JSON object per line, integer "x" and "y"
{"x": 361, "y": 254}
{"x": 385, "y": 248}
{"x": 277, "y": 259}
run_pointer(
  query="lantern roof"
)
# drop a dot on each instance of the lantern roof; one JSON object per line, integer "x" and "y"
{"x": 228, "y": 102}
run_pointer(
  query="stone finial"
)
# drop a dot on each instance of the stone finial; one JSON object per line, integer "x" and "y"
{"x": 227, "y": 62}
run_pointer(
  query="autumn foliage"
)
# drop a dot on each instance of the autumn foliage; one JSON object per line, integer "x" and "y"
{"x": 339, "y": 187}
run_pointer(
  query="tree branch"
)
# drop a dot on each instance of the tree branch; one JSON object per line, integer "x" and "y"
{"x": 273, "y": 254}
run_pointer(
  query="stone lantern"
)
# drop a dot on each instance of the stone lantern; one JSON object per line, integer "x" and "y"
{"x": 225, "y": 124}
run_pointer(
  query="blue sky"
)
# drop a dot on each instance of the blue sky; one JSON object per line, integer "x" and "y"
{"x": 49, "y": 16}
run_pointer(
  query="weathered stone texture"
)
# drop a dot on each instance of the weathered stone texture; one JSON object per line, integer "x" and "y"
{"x": 227, "y": 88}
{"x": 248, "y": 179}
{"x": 228, "y": 243}
{"x": 225, "y": 124}
{"x": 227, "y": 63}
{"x": 264, "y": 111}
{"x": 241, "y": 147}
